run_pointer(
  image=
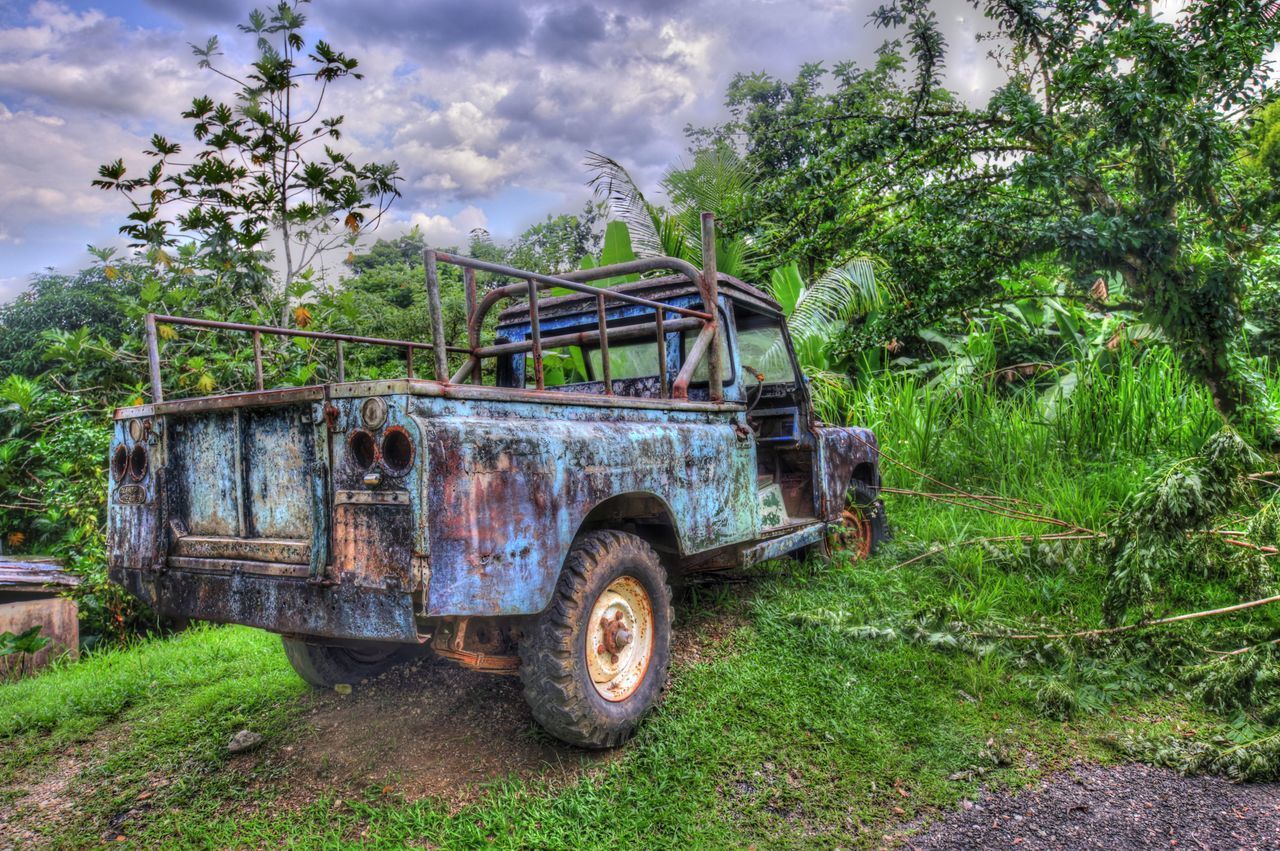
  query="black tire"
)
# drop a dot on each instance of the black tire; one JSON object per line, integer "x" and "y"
{"x": 862, "y": 498}
{"x": 554, "y": 667}
{"x": 328, "y": 665}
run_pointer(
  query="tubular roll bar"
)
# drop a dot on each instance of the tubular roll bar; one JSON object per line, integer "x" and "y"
{"x": 706, "y": 321}
{"x": 153, "y": 348}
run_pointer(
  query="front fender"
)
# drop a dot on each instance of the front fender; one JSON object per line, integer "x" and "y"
{"x": 841, "y": 451}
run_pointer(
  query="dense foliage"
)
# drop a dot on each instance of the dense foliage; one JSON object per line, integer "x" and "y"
{"x": 1122, "y": 147}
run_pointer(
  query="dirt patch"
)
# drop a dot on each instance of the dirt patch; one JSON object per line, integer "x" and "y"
{"x": 426, "y": 729}
{"x": 1119, "y": 807}
{"x": 45, "y": 794}
{"x": 435, "y": 729}
{"x": 708, "y": 632}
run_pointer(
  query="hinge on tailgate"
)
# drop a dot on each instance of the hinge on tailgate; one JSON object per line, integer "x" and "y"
{"x": 422, "y": 578}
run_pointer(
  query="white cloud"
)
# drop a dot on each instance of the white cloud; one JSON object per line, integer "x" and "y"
{"x": 442, "y": 230}
{"x": 474, "y": 109}
{"x": 48, "y": 164}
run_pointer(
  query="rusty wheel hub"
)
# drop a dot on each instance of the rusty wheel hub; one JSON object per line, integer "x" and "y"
{"x": 620, "y": 638}
{"x": 853, "y": 535}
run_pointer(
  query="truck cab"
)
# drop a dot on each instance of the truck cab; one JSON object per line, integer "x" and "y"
{"x": 522, "y": 511}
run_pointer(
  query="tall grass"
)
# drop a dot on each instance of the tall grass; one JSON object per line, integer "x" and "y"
{"x": 1139, "y": 406}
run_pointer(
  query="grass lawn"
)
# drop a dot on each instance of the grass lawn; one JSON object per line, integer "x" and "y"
{"x": 794, "y": 731}
{"x": 826, "y": 705}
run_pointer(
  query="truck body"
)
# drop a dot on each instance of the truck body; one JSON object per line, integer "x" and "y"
{"x": 442, "y": 512}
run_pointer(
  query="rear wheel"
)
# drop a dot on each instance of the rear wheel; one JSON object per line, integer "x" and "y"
{"x": 596, "y": 660}
{"x": 328, "y": 665}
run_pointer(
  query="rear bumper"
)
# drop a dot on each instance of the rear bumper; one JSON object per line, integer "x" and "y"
{"x": 284, "y": 604}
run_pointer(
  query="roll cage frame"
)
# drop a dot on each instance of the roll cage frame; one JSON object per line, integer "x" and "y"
{"x": 707, "y": 322}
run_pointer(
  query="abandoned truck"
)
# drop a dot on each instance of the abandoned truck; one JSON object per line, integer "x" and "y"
{"x": 525, "y": 513}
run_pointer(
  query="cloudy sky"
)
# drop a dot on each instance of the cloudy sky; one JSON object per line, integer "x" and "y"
{"x": 487, "y": 105}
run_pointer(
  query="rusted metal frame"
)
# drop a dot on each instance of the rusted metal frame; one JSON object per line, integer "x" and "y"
{"x": 419, "y": 387}
{"x": 680, "y": 390}
{"x": 588, "y": 338}
{"x": 469, "y": 288}
{"x": 292, "y": 332}
{"x": 408, "y": 362}
{"x": 605, "y": 370}
{"x": 664, "y": 381}
{"x": 711, "y": 297}
{"x": 570, "y": 281}
{"x": 535, "y": 334}
{"x": 153, "y": 349}
{"x": 636, "y": 267}
{"x": 257, "y": 360}
{"x": 475, "y": 371}
{"x": 153, "y": 359}
{"x": 437, "y": 316}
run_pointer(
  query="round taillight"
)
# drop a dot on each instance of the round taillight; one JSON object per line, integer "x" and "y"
{"x": 374, "y": 412}
{"x": 397, "y": 451}
{"x": 119, "y": 462}
{"x": 362, "y": 448}
{"x": 138, "y": 463}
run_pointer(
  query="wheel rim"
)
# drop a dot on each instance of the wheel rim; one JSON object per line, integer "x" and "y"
{"x": 620, "y": 638}
{"x": 853, "y": 534}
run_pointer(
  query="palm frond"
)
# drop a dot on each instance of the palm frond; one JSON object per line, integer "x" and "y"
{"x": 613, "y": 184}
{"x": 842, "y": 292}
{"x": 718, "y": 181}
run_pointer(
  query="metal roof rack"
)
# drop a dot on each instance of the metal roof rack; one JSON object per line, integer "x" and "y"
{"x": 706, "y": 321}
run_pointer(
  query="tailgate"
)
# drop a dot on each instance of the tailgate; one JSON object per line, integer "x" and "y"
{"x": 247, "y": 485}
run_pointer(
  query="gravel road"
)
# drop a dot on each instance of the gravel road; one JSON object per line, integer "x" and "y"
{"x": 1117, "y": 807}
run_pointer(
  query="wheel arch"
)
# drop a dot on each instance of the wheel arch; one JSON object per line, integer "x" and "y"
{"x": 866, "y": 473}
{"x": 643, "y": 513}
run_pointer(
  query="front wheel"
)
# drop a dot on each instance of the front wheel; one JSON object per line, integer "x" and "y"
{"x": 860, "y": 530}
{"x": 328, "y": 665}
{"x": 596, "y": 660}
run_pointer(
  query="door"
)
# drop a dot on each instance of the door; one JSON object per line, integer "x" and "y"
{"x": 780, "y": 416}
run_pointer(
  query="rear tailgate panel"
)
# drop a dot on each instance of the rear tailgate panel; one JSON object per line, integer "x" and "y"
{"x": 204, "y": 464}
{"x": 278, "y": 456}
{"x": 245, "y": 478}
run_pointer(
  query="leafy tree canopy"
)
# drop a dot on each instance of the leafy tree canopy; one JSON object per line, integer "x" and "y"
{"x": 1113, "y": 148}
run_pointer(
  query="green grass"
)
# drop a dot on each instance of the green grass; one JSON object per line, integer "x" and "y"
{"x": 848, "y": 701}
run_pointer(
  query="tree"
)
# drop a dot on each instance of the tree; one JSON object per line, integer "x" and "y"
{"x": 257, "y": 171}
{"x": 558, "y": 243}
{"x": 91, "y": 299}
{"x": 1112, "y": 149}
{"x": 718, "y": 181}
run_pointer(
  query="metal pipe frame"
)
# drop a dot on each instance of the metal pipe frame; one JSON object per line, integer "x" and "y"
{"x": 153, "y": 347}
{"x": 708, "y": 320}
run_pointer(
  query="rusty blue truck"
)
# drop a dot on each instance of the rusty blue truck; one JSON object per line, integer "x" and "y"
{"x": 524, "y": 510}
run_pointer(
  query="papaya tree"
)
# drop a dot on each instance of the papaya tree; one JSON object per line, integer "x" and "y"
{"x": 264, "y": 165}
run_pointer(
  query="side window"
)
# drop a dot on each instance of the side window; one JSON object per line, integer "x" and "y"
{"x": 762, "y": 349}
{"x": 559, "y": 366}
{"x": 701, "y": 371}
{"x": 626, "y": 360}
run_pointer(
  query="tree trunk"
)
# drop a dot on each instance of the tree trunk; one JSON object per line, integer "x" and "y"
{"x": 1199, "y": 311}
